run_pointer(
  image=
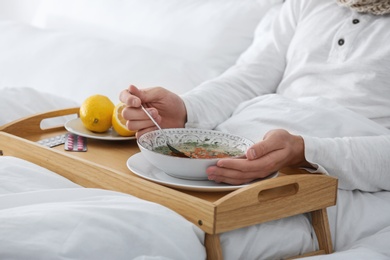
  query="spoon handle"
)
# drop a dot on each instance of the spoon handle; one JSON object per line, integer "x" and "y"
{"x": 150, "y": 116}
{"x": 173, "y": 149}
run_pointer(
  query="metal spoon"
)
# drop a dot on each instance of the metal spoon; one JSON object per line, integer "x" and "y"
{"x": 173, "y": 149}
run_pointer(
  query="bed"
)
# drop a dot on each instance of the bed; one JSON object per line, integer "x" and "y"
{"x": 54, "y": 54}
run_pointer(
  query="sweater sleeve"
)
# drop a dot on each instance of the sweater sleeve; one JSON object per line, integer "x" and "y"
{"x": 361, "y": 163}
{"x": 258, "y": 71}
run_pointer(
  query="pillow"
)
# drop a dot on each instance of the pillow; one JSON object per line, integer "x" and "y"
{"x": 19, "y": 10}
{"x": 100, "y": 47}
{"x": 16, "y": 103}
{"x": 76, "y": 66}
{"x": 212, "y": 31}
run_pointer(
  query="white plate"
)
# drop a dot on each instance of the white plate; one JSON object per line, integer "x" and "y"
{"x": 141, "y": 167}
{"x": 75, "y": 126}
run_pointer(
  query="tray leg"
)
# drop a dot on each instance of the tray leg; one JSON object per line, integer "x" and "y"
{"x": 321, "y": 227}
{"x": 213, "y": 247}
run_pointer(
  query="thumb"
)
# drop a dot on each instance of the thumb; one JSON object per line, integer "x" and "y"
{"x": 133, "y": 90}
{"x": 257, "y": 150}
{"x": 271, "y": 142}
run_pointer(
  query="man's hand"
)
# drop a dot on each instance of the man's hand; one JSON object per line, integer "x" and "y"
{"x": 166, "y": 108}
{"x": 278, "y": 149}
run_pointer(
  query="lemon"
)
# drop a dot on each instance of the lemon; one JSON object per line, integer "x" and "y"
{"x": 96, "y": 113}
{"x": 119, "y": 123}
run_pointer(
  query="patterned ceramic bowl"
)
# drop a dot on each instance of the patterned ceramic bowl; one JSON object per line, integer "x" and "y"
{"x": 208, "y": 145}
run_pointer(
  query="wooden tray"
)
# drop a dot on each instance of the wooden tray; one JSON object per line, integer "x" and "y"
{"x": 104, "y": 166}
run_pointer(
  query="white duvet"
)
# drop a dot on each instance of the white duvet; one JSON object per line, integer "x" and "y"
{"x": 49, "y": 217}
{"x": 44, "y": 216}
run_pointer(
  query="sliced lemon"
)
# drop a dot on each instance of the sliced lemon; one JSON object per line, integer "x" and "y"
{"x": 119, "y": 123}
{"x": 96, "y": 113}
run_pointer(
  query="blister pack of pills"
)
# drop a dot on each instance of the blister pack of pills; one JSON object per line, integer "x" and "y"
{"x": 53, "y": 141}
{"x": 75, "y": 143}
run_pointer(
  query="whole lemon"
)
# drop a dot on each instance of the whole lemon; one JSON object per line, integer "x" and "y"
{"x": 96, "y": 113}
{"x": 119, "y": 123}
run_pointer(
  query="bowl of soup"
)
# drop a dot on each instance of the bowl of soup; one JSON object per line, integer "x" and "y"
{"x": 204, "y": 147}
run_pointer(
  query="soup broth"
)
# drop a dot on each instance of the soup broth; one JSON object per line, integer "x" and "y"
{"x": 202, "y": 151}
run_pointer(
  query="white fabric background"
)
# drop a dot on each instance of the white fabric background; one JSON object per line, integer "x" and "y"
{"x": 65, "y": 64}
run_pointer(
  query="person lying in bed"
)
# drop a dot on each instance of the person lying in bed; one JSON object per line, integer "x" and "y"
{"x": 333, "y": 49}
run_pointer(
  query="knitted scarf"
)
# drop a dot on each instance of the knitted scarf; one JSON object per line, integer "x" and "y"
{"x": 376, "y": 7}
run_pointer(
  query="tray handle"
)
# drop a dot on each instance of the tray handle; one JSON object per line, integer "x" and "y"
{"x": 32, "y": 124}
{"x": 281, "y": 197}
{"x": 276, "y": 198}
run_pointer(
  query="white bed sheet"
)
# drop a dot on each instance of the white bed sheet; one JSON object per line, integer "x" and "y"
{"x": 38, "y": 209}
{"x": 45, "y": 216}
{"x": 353, "y": 238}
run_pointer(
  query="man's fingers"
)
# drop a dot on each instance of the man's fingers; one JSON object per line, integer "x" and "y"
{"x": 139, "y": 119}
{"x": 131, "y": 96}
{"x": 231, "y": 176}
